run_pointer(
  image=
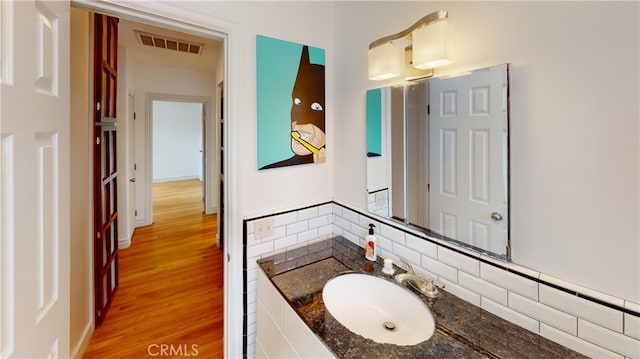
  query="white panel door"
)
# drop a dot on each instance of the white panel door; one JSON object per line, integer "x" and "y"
{"x": 469, "y": 158}
{"x": 34, "y": 179}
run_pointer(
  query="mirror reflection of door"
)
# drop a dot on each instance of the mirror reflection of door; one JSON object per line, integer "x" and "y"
{"x": 417, "y": 154}
{"x": 397, "y": 156}
{"x": 468, "y": 150}
{"x": 443, "y": 164}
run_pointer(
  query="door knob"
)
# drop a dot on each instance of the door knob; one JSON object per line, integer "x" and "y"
{"x": 496, "y": 216}
{"x": 132, "y": 180}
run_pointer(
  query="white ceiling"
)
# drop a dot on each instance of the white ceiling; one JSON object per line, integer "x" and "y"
{"x": 148, "y": 55}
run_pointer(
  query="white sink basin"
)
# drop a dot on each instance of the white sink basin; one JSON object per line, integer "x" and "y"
{"x": 378, "y": 309}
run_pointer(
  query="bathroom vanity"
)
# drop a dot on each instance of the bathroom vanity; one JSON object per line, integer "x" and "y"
{"x": 298, "y": 276}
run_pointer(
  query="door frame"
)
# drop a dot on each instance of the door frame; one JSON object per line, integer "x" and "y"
{"x": 208, "y": 148}
{"x": 128, "y": 168}
{"x": 177, "y": 17}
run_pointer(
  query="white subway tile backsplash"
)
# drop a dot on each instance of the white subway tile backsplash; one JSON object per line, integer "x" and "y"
{"x": 351, "y": 216}
{"x": 285, "y": 242}
{"x": 364, "y": 222}
{"x": 252, "y": 266}
{"x": 422, "y": 272}
{"x": 461, "y": 292}
{"x": 510, "y": 281}
{"x": 358, "y": 231}
{"x": 505, "y": 313}
{"x": 631, "y": 305}
{"x": 278, "y": 232}
{"x": 308, "y": 235}
{"x": 393, "y": 234}
{"x": 442, "y": 270}
{"x": 285, "y": 219}
{"x": 251, "y": 307}
{"x": 336, "y": 230}
{"x": 460, "y": 261}
{"x": 386, "y": 254}
{"x": 609, "y": 339}
{"x": 548, "y": 315}
{"x": 572, "y": 304}
{"x": 586, "y": 326}
{"x": 325, "y": 230}
{"x": 260, "y": 249}
{"x": 384, "y": 243}
{"x": 485, "y": 289}
{"x": 251, "y": 240}
{"x": 422, "y": 246}
{"x": 408, "y": 254}
{"x": 298, "y": 227}
{"x": 307, "y": 213}
{"x": 325, "y": 209}
{"x": 342, "y": 223}
{"x": 318, "y": 221}
{"x": 252, "y": 274}
{"x": 464, "y": 250}
{"x": 583, "y": 290}
{"x": 577, "y": 344}
{"x": 632, "y": 326}
{"x": 336, "y": 209}
{"x": 353, "y": 239}
{"x": 511, "y": 266}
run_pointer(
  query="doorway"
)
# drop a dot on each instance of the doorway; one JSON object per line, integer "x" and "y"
{"x": 180, "y": 140}
{"x": 140, "y": 81}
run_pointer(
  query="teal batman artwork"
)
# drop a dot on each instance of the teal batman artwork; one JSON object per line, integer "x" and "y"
{"x": 291, "y": 103}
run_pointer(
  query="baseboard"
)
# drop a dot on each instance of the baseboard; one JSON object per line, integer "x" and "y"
{"x": 124, "y": 243}
{"x": 175, "y": 179}
{"x": 141, "y": 222}
{"x": 83, "y": 344}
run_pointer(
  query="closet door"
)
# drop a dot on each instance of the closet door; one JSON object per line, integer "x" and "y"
{"x": 105, "y": 177}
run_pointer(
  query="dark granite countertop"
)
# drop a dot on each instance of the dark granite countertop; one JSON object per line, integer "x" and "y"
{"x": 462, "y": 329}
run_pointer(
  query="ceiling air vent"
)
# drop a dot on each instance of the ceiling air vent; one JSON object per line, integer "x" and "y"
{"x": 164, "y": 42}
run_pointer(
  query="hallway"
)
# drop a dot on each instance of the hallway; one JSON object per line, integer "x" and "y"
{"x": 170, "y": 297}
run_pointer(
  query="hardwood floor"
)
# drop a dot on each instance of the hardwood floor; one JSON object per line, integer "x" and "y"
{"x": 170, "y": 299}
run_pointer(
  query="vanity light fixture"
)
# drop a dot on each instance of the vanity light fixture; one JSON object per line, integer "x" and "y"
{"x": 428, "y": 41}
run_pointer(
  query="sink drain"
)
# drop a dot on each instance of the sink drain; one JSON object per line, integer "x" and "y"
{"x": 389, "y": 326}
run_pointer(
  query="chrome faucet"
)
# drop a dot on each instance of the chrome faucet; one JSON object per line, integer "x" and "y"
{"x": 428, "y": 287}
{"x": 409, "y": 266}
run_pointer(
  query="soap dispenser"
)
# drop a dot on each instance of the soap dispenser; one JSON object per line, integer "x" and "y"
{"x": 371, "y": 249}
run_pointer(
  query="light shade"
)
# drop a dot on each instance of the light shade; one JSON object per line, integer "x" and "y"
{"x": 432, "y": 45}
{"x": 385, "y": 61}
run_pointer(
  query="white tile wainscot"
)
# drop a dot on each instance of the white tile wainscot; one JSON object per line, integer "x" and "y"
{"x": 532, "y": 297}
{"x": 281, "y": 332}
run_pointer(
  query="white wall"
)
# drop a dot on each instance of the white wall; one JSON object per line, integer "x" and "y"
{"x": 177, "y": 141}
{"x": 573, "y": 125}
{"x": 301, "y": 22}
{"x": 81, "y": 282}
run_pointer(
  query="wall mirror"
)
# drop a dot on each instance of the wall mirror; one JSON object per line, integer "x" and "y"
{"x": 438, "y": 159}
